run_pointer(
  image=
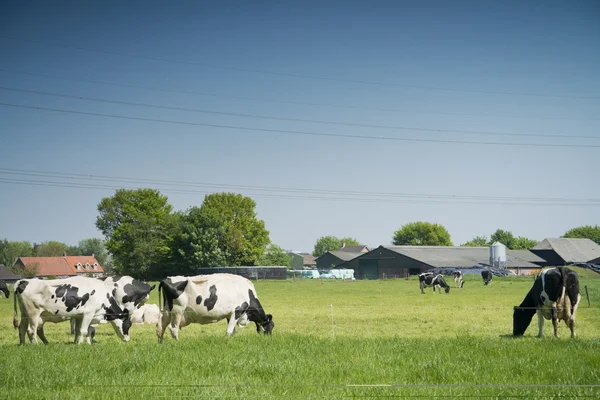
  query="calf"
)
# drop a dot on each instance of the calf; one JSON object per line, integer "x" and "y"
{"x": 428, "y": 279}
{"x": 4, "y": 289}
{"x": 88, "y": 301}
{"x": 146, "y": 314}
{"x": 458, "y": 278}
{"x": 487, "y": 276}
{"x": 554, "y": 295}
{"x": 207, "y": 299}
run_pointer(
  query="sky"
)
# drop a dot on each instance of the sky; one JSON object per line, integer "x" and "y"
{"x": 338, "y": 118}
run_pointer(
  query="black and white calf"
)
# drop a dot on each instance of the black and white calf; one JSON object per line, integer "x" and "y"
{"x": 4, "y": 289}
{"x": 88, "y": 301}
{"x": 458, "y": 278}
{"x": 206, "y": 299}
{"x": 487, "y": 276}
{"x": 429, "y": 279}
{"x": 554, "y": 295}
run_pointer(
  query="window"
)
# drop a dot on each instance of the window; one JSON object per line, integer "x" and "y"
{"x": 95, "y": 266}
{"x": 78, "y": 266}
{"x": 87, "y": 266}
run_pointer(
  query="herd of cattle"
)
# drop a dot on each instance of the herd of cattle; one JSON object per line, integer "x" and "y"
{"x": 204, "y": 299}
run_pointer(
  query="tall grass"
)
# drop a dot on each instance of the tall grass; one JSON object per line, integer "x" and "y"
{"x": 386, "y": 340}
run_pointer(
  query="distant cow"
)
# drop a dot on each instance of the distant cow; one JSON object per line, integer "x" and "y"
{"x": 207, "y": 299}
{"x": 4, "y": 289}
{"x": 554, "y": 295}
{"x": 87, "y": 300}
{"x": 487, "y": 276}
{"x": 146, "y": 314}
{"x": 458, "y": 278}
{"x": 429, "y": 279}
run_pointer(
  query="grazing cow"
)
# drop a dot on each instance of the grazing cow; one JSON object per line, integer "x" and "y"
{"x": 487, "y": 276}
{"x": 4, "y": 289}
{"x": 88, "y": 301}
{"x": 458, "y": 278}
{"x": 554, "y": 295}
{"x": 210, "y": 298}
{"x": 146, "y": 314}
{"x": 429, "y": 279}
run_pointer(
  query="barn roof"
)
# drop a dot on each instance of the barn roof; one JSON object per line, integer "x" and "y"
{"x": 61, "y": 266}
{"x": 458, "y": 257}
{"x": 354, "y": 249}
{"x": 346, "y": 255}
{"x": 7, "y": 275}
{"x": 571, "y": 250}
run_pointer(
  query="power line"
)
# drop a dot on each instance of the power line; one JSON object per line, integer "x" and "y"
{"x": 293, "y": 132}
{"x": 242, "y": 115}
{"x": 303, "y": 76}
{"x": 333, "y": 196}
{"x": 294, "y": 102}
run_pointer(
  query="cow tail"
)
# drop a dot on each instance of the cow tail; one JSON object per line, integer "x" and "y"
{"x": 564, "y": 274}
{"x": 15, "y": 315}
{"x": 160, "y": 304}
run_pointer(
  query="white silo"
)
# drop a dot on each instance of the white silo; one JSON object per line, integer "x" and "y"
{"x": 497, "y": 255}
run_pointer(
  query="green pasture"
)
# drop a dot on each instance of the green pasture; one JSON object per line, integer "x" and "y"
{"x": 332, "y": 339}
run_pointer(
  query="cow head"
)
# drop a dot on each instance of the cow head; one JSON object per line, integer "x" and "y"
{"x": 126, "y": 294}
{"x": 522, "y": 317}
{"x": 267, "y": 325}
{"x": 447, "y": 289}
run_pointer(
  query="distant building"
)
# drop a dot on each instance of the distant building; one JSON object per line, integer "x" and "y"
{"x": 333, "y": 259}
{"x": 61, "y": 267}
{"x": 302, "y": 260}
{"x": 565, "y": 251}
{"x": 7, "y": 275}
{"x": 402, "y": 261}
{"x": 361, "y": 248}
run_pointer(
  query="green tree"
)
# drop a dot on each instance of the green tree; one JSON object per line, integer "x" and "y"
{"x": 10, "y": 251}
{"x": 275, "y": 256}
{"x": 195, "y": 242}
{"x": 332, "y": 243}
{"x": 246, "y": 236}
{"x": 584, "y": 232}
{"x": 422, "y": 233}
{"x": 95, "y": 246}
{"x": 51, "y": 248}
{"x": 137, "y": 225}
{"x": 477, "y": 241}
{"x": 512, "y": 242}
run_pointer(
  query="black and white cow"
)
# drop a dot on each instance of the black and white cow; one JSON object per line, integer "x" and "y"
{"x": 554, "y": 295}
{"x": 487, "y": 276}
{"x": 207, "y": 299}
{"x": 4, "y": 289}
{"x": 88, "y": 301}
{"x": 429, "y": 279}
{"x": 458, "y": 278}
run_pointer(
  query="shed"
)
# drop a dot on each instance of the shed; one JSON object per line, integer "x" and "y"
{"x": 564, "y": 251}
{"x": 7, "y": 275}
{"x": 332, "y": 259}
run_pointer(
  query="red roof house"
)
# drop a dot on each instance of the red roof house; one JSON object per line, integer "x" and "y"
{"x": 61, "y": 267}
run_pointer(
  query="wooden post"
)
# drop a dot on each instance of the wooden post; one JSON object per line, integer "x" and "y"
{"x": 587, "y": 294}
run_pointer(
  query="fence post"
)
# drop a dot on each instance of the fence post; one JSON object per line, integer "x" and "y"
{"x": 587, "y": 294}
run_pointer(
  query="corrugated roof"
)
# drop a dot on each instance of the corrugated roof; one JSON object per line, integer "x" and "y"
{"x": 354, "y": 249}
{"x": 455, "y": 256}
{"x": 571, "y": 250}
{"x": 309, "y": 259}
{"x": 525, "y": 255}
{"x": 346, "y": 255}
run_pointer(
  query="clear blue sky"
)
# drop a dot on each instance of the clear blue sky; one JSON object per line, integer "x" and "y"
{"x": 520, "y": 67}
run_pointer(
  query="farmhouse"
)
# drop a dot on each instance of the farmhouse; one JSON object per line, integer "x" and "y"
{"x": 60, "y": 267}
{"x": 402, "y": 261}
{"x": 565, "y": 251}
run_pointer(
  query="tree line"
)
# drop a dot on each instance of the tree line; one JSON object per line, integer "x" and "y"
{"x": 145, "y": 238}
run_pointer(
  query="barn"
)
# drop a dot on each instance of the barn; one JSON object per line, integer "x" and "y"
{"x": 402, "y": 261}
{"x": 7, "y": 275}
{"x": 565, "y": 251}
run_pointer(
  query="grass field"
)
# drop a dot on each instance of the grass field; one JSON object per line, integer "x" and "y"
{"x": 332, "y": 339}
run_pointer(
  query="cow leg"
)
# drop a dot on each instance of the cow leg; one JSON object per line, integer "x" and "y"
{"x": 33, "y": 327}
{"x": 77, "y": 329}
{"x": 231, "y": 322}
{"x": 555, "y": 321}
{"x": 540, "y": 323}
{"x": 162, "y": 323}
{"x": 174, "y": 326}
{"x": 22, "y": 330}
{"x": 73, "y": 322}
{"x": 85, "y": 322}
{"x": 40, "y": 333}
{"x": 422, "y": 285}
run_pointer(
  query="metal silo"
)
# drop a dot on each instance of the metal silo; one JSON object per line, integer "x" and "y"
{"x": 497, "y": 255}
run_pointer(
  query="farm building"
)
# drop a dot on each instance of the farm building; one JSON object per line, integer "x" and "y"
{"x": 564, "y": 251}
{"x": 333, "y": 259}
{"x": 7, "y": 275}
{"x": 302, "y": 260}
{"x": 61, "y": 267}
{"x": 401, "y": 261}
